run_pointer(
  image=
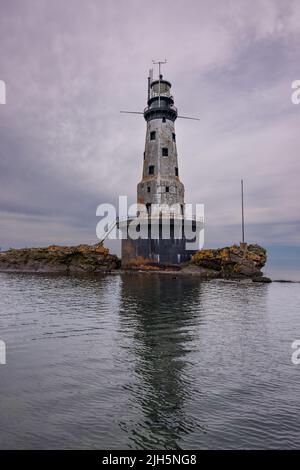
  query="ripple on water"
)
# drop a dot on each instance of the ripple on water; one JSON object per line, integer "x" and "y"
{"x": 149, "y": 362}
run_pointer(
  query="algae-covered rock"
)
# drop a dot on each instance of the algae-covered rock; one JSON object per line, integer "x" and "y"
{"x": 262, "y": 279}
{"x": 54, "y": 258}
{"x": 244, "y": 261}
{"x": 233, "y": 261}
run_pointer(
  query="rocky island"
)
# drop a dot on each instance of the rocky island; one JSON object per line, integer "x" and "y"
{"x": 60, "y": 259}
{"x": 234, "y": 262}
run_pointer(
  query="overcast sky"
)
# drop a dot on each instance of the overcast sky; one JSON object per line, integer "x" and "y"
{"x": 71, "y": 66}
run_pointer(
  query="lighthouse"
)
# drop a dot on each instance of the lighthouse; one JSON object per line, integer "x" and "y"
{"x": 161, "y": 215}
{"x": 160, "y": 182}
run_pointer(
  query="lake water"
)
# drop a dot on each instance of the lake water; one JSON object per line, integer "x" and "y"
{"x": 148, "y": 362}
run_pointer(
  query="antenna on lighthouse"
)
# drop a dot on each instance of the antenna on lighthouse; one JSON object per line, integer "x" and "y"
{"x": 151, "y": 75}
{"x": 150, "y": 80}
{"x": 159, "y": 63}
{"x": 152, "y": 94}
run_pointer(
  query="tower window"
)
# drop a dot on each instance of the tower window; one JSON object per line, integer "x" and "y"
{"x": 144, "y": 155}
{"x": 148, "y": 189}
{"x": 176, "y": 171}
{"x": 151, "y": 170}
{"x": 173, "y": 137}
{"x": 148, "y": 207}
{"x": 163, "y": 119}
{"x": 167, "y": 189}
{"x": 165, "y": 152}
{"x": 152, "y": 135}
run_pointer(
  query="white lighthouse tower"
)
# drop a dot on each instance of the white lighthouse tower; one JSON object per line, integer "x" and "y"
{"x": 160, "y": 184}
{"x": 160, "y": 191}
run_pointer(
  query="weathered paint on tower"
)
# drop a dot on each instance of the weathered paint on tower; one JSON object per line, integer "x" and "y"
{"x": 160, "y": 191}
{"x": 160, "y": 182}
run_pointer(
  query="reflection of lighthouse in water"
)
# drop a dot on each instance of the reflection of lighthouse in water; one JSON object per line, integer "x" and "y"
{"x": 160, "y": 345}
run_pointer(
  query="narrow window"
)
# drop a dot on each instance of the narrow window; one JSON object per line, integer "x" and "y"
{"x": 148, "y": 207}
{"x": 163, "y": 119}
{"x": 151, "y": 170}
{"x": 167, "y": 189}
{"x": 148, "y": 189}
{"x": 176, "y": 171}
{"x": 174, "y": 137}
{"x": 144, "y": 155}
{"x": 165, "y": 152}
{"x": 152, "y": 135}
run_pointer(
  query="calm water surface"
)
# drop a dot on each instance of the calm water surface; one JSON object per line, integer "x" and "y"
{"x": 148, "y": 361}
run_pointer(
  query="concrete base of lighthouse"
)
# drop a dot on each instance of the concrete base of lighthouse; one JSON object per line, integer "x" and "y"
{"x": 157, "y": 249}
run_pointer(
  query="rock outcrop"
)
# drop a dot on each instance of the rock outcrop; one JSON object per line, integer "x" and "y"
{"x": 62, "y": 259}
{"x": 234, "y": 262}
{"x": 244, "y": 261}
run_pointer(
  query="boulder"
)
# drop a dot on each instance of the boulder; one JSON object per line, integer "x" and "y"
{"x": 63, "y": 259}
{"x": 233, "y": 261}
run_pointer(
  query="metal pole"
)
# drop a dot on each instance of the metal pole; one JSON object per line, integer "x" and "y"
{"x": 243, "y": 220}
{"x": 159, "y": 62}
{"x": 159, "y": 84}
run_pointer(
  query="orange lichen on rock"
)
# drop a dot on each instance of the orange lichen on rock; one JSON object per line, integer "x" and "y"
{"x": 141, "y": 263}
{"x": 246, "y": 260}
{"x": 55, "y": 258}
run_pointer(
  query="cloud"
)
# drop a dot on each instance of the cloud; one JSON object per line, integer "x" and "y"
{"x": 70, "y": 67}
